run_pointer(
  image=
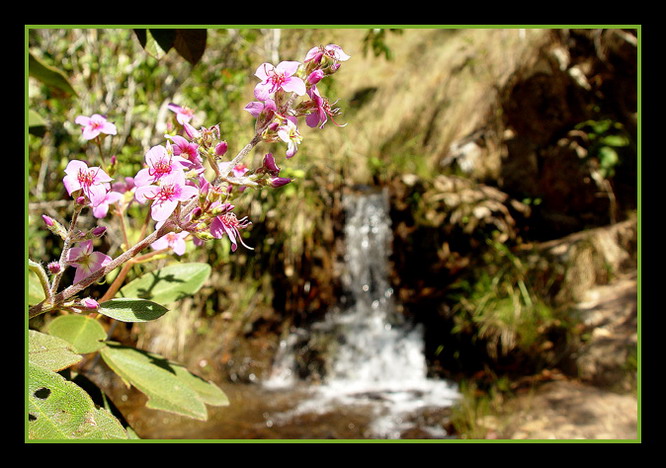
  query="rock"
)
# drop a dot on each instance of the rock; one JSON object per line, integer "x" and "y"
{"x": 609, "y": 315}
{"x": 570, "y": 410}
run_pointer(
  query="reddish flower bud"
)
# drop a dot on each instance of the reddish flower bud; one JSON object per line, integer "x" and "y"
{"x": 221, "y": 148}
{"x": 53, "y": 267}
{"x": 276, "y": 182}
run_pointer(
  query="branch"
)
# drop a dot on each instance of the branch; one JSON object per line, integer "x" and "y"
{"x": 59, "y": 298}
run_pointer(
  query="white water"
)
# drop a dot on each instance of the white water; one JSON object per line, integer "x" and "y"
{"x": 380, "y": 358}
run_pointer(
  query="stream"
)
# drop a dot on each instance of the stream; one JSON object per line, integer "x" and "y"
{"x": 375, "y": 385}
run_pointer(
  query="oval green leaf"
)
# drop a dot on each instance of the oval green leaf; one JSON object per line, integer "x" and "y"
{"x": 156, "y": 377}
{"x": 59, "y": 409}
{"x": 85, "y": 334}
{"x": 50, "y": 352}
{"x": 49, "y": 75}
{"x": 168, "y": 284}
{"x": 132, "y": 310}
{"x": 35, "y": 290}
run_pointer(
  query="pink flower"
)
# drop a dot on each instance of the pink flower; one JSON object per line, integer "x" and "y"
{"x": 332, "y": 51}
{"x": 171, "y": 240}
{"x": 290, "y": 135}
{"x": 183, "y": 114}
{"x": 93, "y": 181}
{"x": 188, "y": 151}
{"x": 102, "y": 209}
{"x": 160, "y": 163}
{"x": 322, "y": 110}
{"x": 167, "y": 195}
{"x": 85, "y": 260}
{"x": 274, "y": 78}
{"x": 266, "y": 107}
{"x": 227, "y": 223}
{"x": 94, "y": 125}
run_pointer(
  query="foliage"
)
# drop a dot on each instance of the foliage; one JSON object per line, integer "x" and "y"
{"x": 500, "y": 307}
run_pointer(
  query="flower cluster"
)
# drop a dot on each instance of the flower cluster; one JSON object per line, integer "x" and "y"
{"x": 276, "y": 114}
{"x": 175, "y": 178}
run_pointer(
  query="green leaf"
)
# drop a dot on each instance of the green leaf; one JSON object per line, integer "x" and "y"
{"x": 36, "y": 124}
{"x": 50, "y": 352}
{"x": 168, "y": 284}
{"x": 157, "y": 378}
{"x": 190, "y": 44}
{"x": 35, "y": 290}
{"x": 49, "y": 75}
{"x": 60, "y": 409}
{"x": 208, "y": 392}
{"x": 132, "y": 310}
{"x": 85, "y": 334}
{"x": 168, "y": 385}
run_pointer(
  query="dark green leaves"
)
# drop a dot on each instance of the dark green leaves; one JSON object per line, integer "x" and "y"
{"x": 60, "y": 409}
{"x": 49, "y": 75}
{"x": 132, "y": 310}
{"x": 189, "y": 43}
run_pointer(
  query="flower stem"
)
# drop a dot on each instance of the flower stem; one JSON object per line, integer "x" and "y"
{"x": 67, "y": 243}
{"x": 59, "y": 298}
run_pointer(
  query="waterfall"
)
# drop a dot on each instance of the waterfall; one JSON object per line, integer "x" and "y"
{"x": 376, "y": 355}
{"x": 378, "y": 350}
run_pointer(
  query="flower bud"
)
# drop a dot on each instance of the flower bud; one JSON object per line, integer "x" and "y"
{"x": 99, "y": 231}
{"x": 54, "y": 226}
{"x": 54, "y": 268}
{"x": 316, "y": 76}
{"x": 269, "y": 164}
{"x": 276, "y": 182}
{"x": 89, "y": 303}
{"x": 81, "y": 200}
{"x": 221, "y": 148}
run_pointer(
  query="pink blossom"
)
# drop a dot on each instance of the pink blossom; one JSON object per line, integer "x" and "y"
{"x": 267, "y": 107}
{"x": 274, "y": 78}
{"x": 160, "y": 163}
{"x": 227, "y": 223}
{"x": 102, "y": 209}
{"x": 322, "y": 110}
{"x": 187, "y": 150}
{"x": 332, "y": 51}
{"x": 172, "y": 240}
{"x": 94, "y": 125}
{"x": 93, "y": 181}
{"x": 288, "y": 132}
{"x": 167, "y": 195}
{"x": 86, "y": 260}
{"x": 183, "y": 114}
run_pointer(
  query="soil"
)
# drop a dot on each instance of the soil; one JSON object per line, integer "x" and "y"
{"x": 568, "y": 410}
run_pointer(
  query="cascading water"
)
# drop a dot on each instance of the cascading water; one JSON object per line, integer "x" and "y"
{"x": 377, "y": 357}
